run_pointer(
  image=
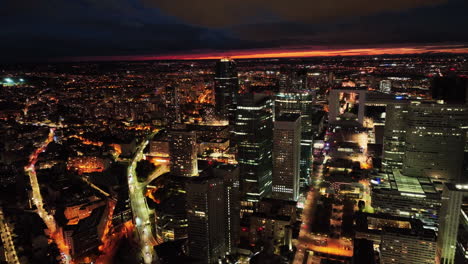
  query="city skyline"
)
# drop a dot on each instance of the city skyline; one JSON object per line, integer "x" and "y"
{"x": 347, "y": 159}
{"x": 233, "y": 132}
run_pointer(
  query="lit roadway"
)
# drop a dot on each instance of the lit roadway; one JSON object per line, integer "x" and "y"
{"x": 307, "y": 218}
{"x": 319, "y": 243}
{"x": 7, "y": 240}
{"x": 55, "y": 234}
{"x": 139, "y": 206}
{"x": 308, "y": 241}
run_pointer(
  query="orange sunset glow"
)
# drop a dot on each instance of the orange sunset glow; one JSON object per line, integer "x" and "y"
{"x": 291, "y": 53}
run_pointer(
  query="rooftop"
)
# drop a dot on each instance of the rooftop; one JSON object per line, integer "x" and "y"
{"x": 406, "y": 185}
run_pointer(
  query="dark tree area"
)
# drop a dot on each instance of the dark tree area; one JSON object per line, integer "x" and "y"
{"x": 144, "y": 168}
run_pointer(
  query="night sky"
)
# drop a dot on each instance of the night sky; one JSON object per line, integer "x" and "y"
{"x": 35, "y": 30}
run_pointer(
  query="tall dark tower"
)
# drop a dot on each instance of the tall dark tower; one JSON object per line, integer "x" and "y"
{"x": 206, "y": 218}
{"x": 171, "y": 102}
{"x": 226, "y": 88}
{"x": 230, "y": 175}
{"x": 451, "y": 89}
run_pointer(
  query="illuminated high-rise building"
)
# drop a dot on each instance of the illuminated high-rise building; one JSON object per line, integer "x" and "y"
{"x": 450, "y": 214}
{"x": 435, "y": 141}
{"x": 226, "y": 88}
{"x": 206, "y": 218}
{"x": 253, "y": 136}
{"x": 299, "y": 103}
{"x": 394, "y": 136}
{"x": 286, "y": 156}
{"x": 183, "y": 152}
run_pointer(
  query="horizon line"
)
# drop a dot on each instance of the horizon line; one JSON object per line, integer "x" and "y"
{"x": 280, "y": 53}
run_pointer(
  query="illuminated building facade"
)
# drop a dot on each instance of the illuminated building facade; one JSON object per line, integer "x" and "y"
{"x": 408, "y": 246}
{"x": 286, "y": 156}
{"x": 450, "y": 215}
{"x": 183, "y": 153}
{"x": 435, "y": 141}
{"x": 299, "y": 103}
{"x": 226, "y": 87}
{"x": 206, "y": 219}
{"x": 253, "y": 136}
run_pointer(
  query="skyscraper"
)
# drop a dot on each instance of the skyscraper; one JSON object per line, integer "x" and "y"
{"x": 394, "y": 136}
{"x": 206, "y": 219}
{"x": 299, "y": 103}
{"x": 286, "y": 156}
{"x": 226, "y": 88}
{"x": 253, "y": 135}
{"x": 450, "y": 213}
{"x": 435, "y": 141}
{"x": 171, "y": 99}
{"x": 230, "y": 175}
{"x": 183, "y": 152}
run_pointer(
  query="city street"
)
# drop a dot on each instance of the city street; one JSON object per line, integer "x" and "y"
{"x": 322, "y": 243}
{"x": 308, "y": 213}
{"x": 37, "y": 200}
{"x": 7, "y": 240}
{"x": 141, "y": 212}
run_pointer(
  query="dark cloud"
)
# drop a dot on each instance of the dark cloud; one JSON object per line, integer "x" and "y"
{"x": 219, "y": 13}
{"x": 38, "y": 29}
{"x": 446, "y": 23}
